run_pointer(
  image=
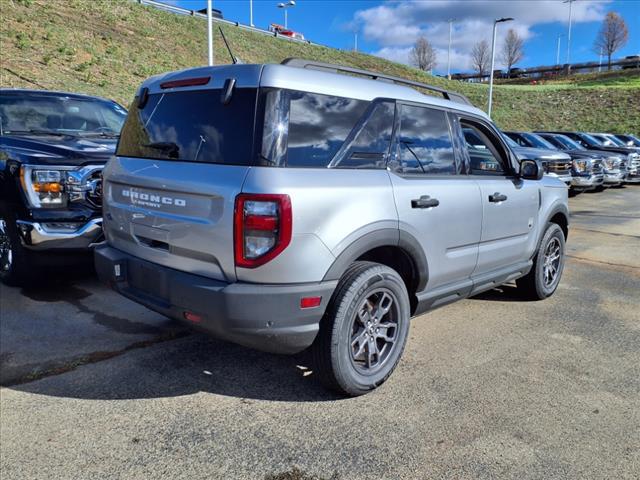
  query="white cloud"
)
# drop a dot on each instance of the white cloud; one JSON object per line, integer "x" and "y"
{"x": 396, "y": 26}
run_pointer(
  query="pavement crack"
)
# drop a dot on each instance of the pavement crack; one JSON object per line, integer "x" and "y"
{"x": 90, "y": 358}
{"x": 606, "y": 233}
{"x": 601, "y": 262}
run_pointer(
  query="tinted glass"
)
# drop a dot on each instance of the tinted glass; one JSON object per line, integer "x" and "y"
{"x": 425, "y": 141}
{"x": 555, "y": 142}
{"x": 192, "y": 126}
{"x": 369, "y": 142}
{"x": 484, "y": 160}
{"x": 40, "y": 114}
{"x": 537, "y": 141}
{"x": 570, "y": 143}
{"x": 318, "y": 126}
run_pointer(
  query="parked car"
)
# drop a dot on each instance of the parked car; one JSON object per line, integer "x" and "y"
{"x": 629, "y": 140}
{"x": 280, "y": 30}
{"x": 53, "y": 147}
{"x": 587, "y": 172}
{"x": 580, "y": 177}
{"x": 555, "y": 163}
{"x": 284, "y": 207}
{"x": 616, "y": 171}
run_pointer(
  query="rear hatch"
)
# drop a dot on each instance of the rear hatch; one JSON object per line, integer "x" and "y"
{"x": 184, "y": 152}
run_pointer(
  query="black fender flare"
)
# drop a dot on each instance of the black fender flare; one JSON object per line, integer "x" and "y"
{"x": 383, "y": 238}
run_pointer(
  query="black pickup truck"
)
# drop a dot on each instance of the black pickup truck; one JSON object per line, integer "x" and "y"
{"x": 53, "y": 146}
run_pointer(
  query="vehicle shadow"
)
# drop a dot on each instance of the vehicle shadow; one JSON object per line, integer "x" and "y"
{"x": 190, "y": 364}
{"x": 504, "y": 293}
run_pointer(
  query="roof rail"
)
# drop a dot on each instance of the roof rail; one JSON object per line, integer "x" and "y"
{"x": 329, "y": 67}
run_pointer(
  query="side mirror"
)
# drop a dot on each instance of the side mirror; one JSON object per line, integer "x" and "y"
{"x": 531, "y": 170}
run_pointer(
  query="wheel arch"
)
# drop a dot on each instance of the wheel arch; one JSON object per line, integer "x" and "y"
{"x": 394, "y": 248}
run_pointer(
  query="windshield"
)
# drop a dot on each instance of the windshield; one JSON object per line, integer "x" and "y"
{"x": 59, "y": 115}
{"x": 507, "y": 139}
{"x": 538, "y": 142}
{"x": 591, "y": 140}
{"x": 616, "y": 141}
{"x": 630, "y": 140}
{"x": 567, "y": 142}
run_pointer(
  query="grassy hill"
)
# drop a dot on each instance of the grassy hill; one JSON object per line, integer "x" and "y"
{"x": 107, "y": 47}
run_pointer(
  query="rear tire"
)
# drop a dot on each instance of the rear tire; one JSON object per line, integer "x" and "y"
{"x": 364, "y": 330}
{"x": 16, "y": 268}
{"x": 543, "y": 279}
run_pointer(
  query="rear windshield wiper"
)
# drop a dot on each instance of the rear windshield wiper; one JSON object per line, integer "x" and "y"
{"x": 170, "y": 148}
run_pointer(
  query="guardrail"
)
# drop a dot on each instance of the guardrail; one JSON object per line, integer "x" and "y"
{"x": 550, "y": 70}
{"x": 193, "y": 13}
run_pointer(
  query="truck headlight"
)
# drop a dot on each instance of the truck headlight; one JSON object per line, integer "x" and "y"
{"x": 580, "y": 165}
{"x": 44, "y": 187}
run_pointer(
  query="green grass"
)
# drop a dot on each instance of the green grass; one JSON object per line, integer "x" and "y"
{"x": 108, "y": 47}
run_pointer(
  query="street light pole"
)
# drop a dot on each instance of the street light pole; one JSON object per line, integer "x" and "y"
{"x": 285, "y": 6}
{"x": 560, "y": 35}
{"x": 355, "y": 49}
{"x": 570, "y": 2}
{"x": 251, "y": 13}
{"x": 493, "y": 59}
{"x": 210, "y": 30}
{"x": 451, "y": 20}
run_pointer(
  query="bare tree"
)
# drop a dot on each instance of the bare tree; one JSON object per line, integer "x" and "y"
{"x": 423, "y": 55}
{"x": 512, "y": 50}
{"x": 481, "y": 57}
{"x": 612, "y": 36}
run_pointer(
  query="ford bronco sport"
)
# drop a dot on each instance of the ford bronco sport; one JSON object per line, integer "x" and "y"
{"x": 292, "y": 206}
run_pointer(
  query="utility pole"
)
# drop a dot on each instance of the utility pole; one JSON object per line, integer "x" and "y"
{"x": 210, "y": 30}
{"x": 600, "y": 61}
{"x": 451, "y": 20}
{"x": 493, "y": 59}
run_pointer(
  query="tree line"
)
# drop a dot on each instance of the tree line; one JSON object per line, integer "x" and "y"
{"x": 613, "y": 35}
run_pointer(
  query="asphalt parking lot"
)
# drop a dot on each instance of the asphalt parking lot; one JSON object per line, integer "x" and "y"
{"x": 97, "y": 387}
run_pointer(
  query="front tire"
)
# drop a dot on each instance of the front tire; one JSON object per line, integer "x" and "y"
{"x": 364, "y": 330}
{"x": 543, "y": 279}
{"x": 16, "y": 268}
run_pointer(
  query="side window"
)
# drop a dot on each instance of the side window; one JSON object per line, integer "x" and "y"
{"x": 318, "y": 126}
{"x": 519, "y": 140}
{"x": 485, "y": 159}
{"x": 424, "y": 142}
{"x": 368, "y": 144}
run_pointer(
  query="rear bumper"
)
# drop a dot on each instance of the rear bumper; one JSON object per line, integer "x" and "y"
{"x": 264, "y": 317}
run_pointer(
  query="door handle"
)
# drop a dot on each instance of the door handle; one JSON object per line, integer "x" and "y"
{"x": 425, "y": 201}
{"x": 497, "y": 197}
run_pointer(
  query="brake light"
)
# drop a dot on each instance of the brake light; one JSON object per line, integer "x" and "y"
{"x": 262, "y": 228}
{"x": 185, "y": 82}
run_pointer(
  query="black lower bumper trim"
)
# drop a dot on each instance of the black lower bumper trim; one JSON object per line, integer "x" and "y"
{"x": 264, "y": 317}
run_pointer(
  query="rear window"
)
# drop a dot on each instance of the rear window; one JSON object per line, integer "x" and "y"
{"x": 193, "y": 126}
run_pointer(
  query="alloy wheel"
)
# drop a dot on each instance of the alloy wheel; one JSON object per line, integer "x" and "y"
{"x": 374, "y": 331}
{"x": 551, "y": 266}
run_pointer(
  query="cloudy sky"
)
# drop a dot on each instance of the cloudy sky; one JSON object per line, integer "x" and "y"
{"x": 389, "y": 28}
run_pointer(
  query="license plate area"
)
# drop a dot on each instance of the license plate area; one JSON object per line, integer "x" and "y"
{"x": 148, "y": 279}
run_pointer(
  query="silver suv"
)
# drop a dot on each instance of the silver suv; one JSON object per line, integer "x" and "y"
{"x": 311, "y": 205}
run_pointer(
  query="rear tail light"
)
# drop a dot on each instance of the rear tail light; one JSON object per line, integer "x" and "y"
{"x": 262, "y": 228}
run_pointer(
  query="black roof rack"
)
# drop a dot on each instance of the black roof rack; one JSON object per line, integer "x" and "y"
{"x": 329, "y": 67}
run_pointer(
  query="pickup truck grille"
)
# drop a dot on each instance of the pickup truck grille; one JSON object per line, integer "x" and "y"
{"x": 559, "y": 168}
{"x": 597, "y": 167}
{"x": 85, "y": 186}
